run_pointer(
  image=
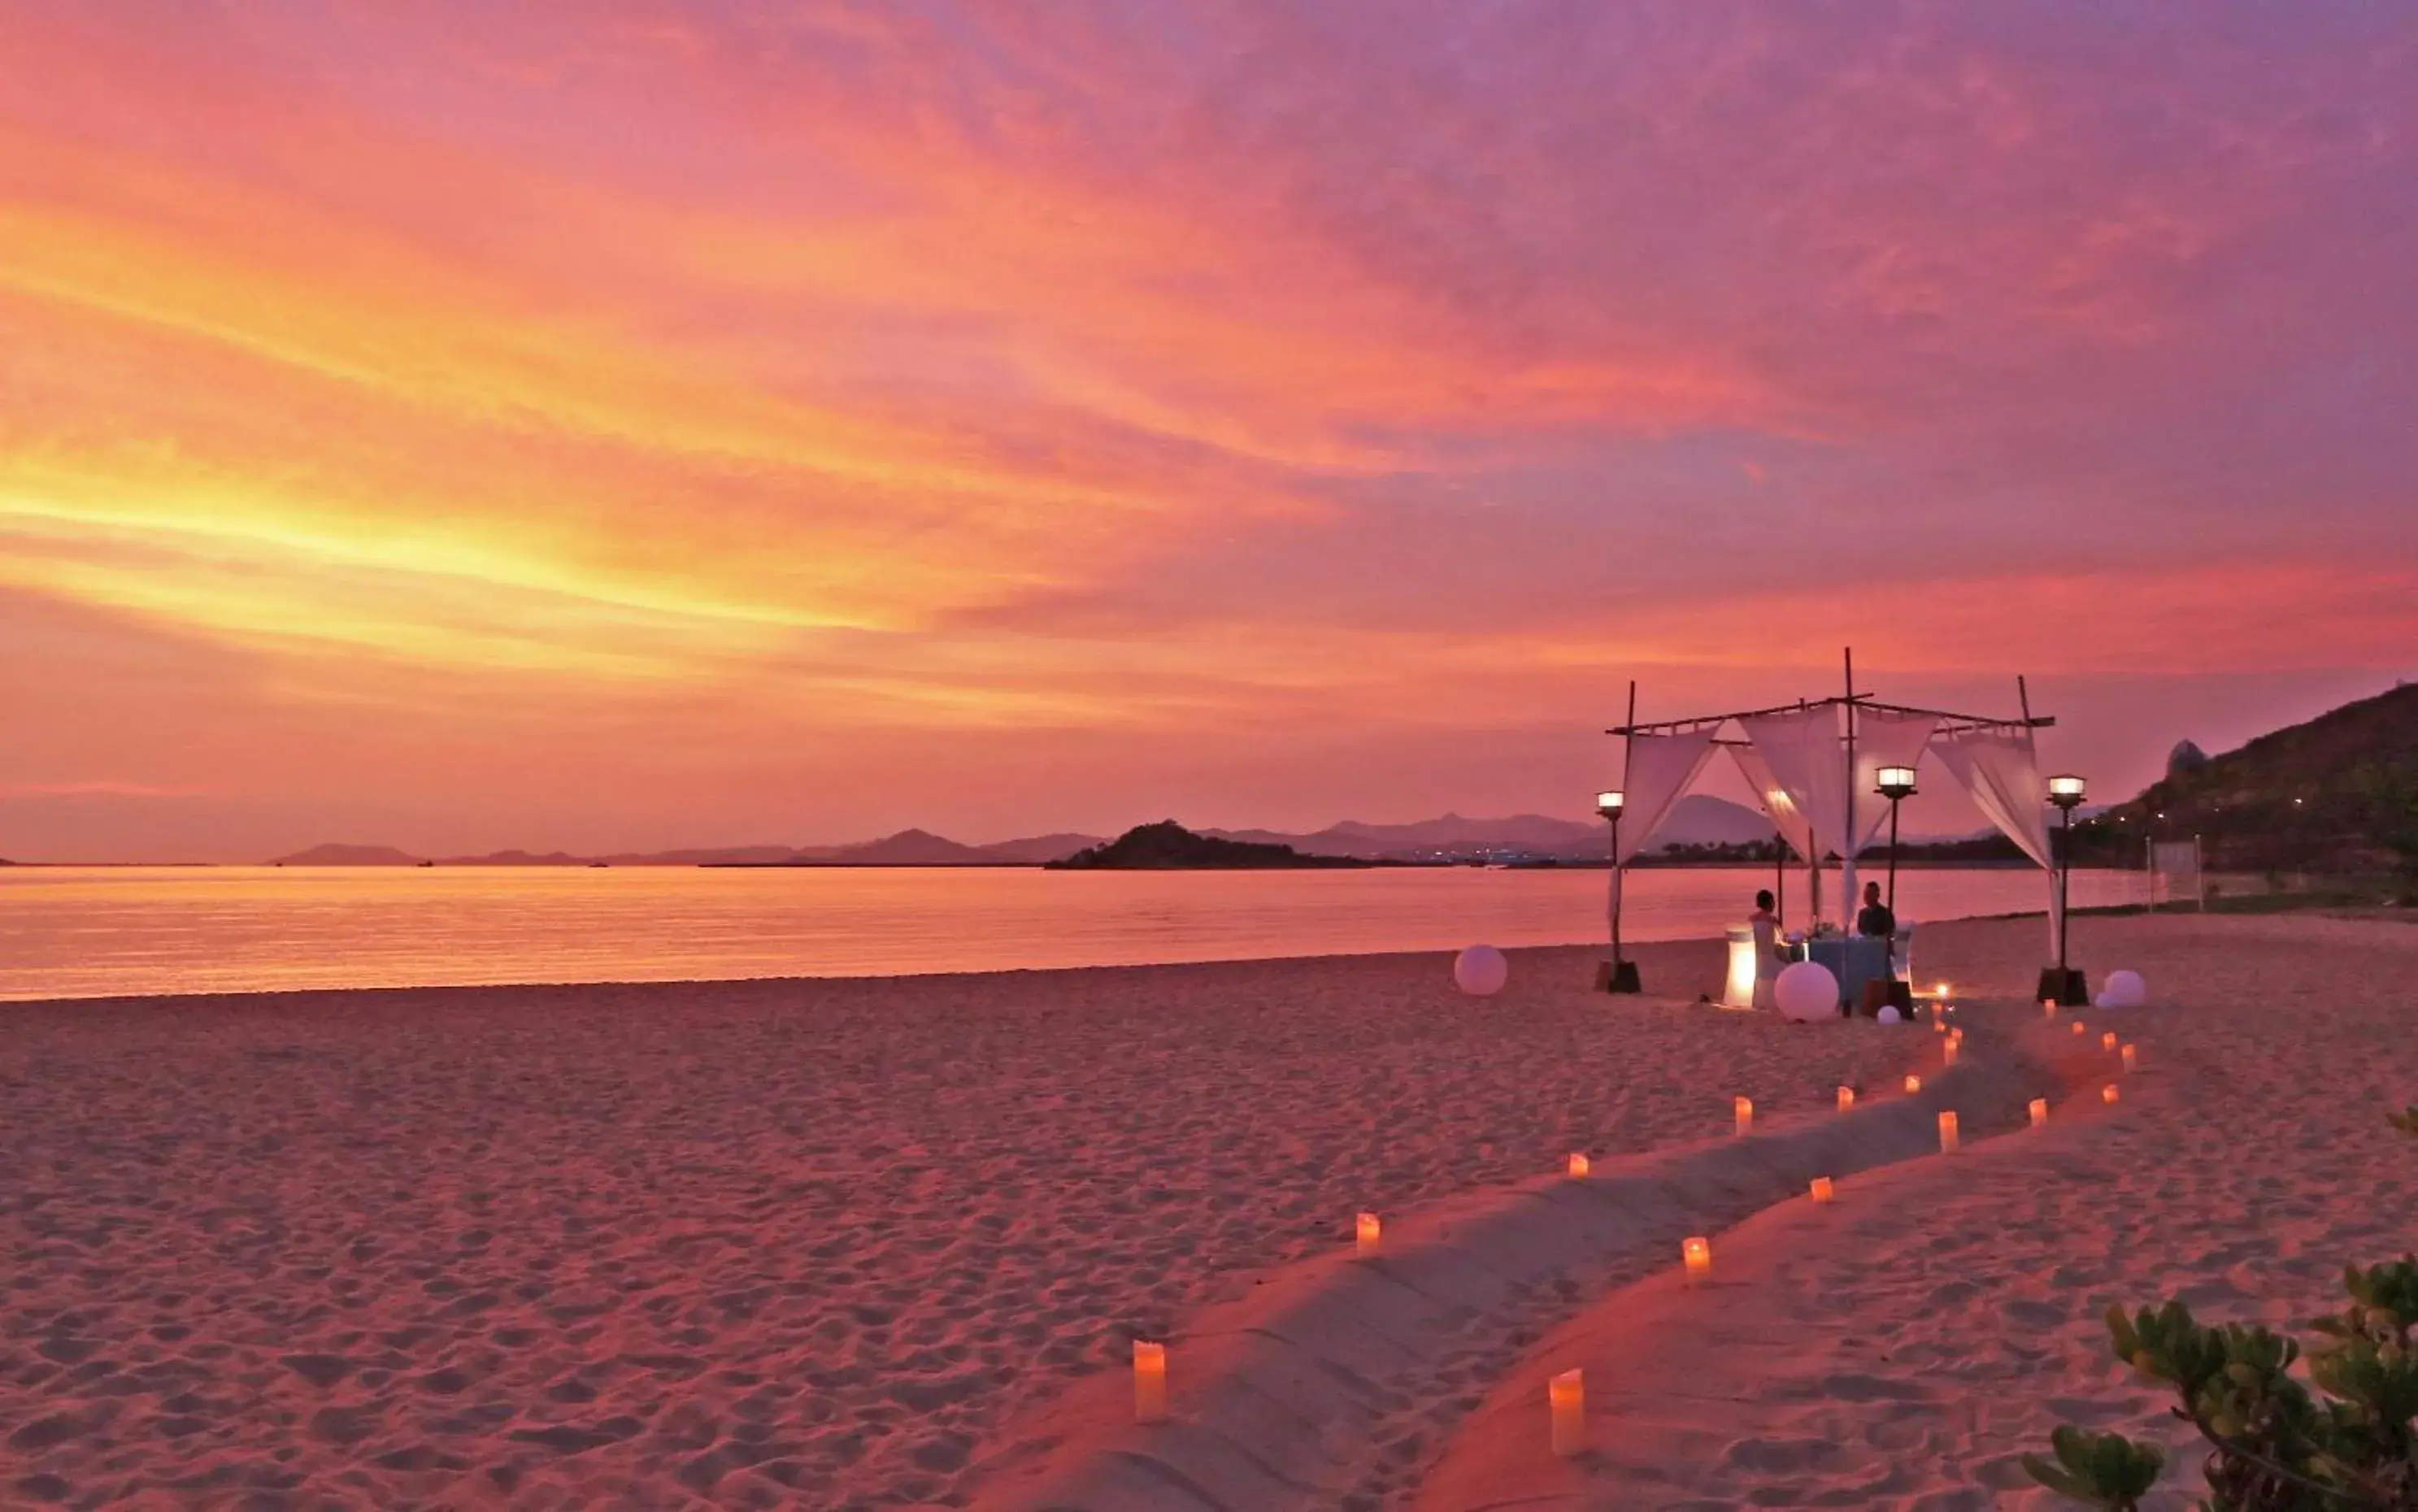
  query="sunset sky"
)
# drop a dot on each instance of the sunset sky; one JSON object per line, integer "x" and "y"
{"x": 641, "y": 423}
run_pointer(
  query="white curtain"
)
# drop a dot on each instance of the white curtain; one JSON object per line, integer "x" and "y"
{"x": 1802, "y": 756}
{"x": 2000, "y": 772}
{"x": 1662, "y": 767}
{"x": 1884, "y": 738}
{"x": 1796, "y": 831}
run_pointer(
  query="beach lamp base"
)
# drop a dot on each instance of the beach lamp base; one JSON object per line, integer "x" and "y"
{"x": 1616, "y": 976}
{"x": 2068, "y": 989}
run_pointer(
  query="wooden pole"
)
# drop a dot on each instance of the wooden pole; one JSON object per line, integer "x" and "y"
{"x": 1848, "y": 840}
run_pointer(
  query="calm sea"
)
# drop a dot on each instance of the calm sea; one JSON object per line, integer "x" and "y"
{"x": 77, "y": 932}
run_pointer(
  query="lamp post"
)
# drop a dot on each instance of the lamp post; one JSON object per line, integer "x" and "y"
{"x": 2065, "y": 791}
{"x": 1896, "y": 783}
{"x": 1620, "y": 976}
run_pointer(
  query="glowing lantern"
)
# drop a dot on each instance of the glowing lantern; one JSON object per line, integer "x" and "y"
{"x": 1913, "y": 1084}
{"x": 1578, "y": 1162}
{"x": 1743, "y": 1110}
{"x": 1948, "y": 1132}
{"x": 1948, "y": 1053}
{"x": 1568, "y": 1394}
{"x": 1367, "y": 1232}
{"x": 2077, "y": 1026}
{"x": 1940, "y": 1026}
{"x": 1149, "y": 1382}
{"x": 1821, "y": 1188}
{"x": 1846, "y": 1098}
{"x": 2048, "y": 1007}
{"x": 2107, "y": 1040}
{"x": 2132, "y": 1061}
{"x": 2108, "y": 1093}
{"x": 1697, "y": 1252}
{"x": 2040, "y": 1112}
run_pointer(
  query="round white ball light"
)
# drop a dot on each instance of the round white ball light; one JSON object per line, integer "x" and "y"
{"x": 1806, "y": 992}
{"x": 1888, "y": 1013}
{"x": 2123, "y": 990}
{"x": 1480, "y": 971}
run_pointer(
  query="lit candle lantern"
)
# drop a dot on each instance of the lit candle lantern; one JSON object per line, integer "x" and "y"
{"x": 1149, "y": 1382}
{"x": 2130, "y": 1061}
{"x": 2048, "y": 1007}
{"x": 1578, "y": 1162}
{"x": 1698, "y": 1254}
{"x": 1369, "y": 1231}
{"x": 1940, "y": 1026}
{"x": 1744, "y": 1111}
{"x": 2077, "y": 1026}
{"x": 2040, "y": 1112}
{"x": 1846, "y": 1098}
{"x": 1821, "y": 1188}
{"x": 1948, "y": 1132}
{"x": 1913, "y": 1084}
{"x": 1948, "y": 1053}
{"x": 2108, "y": 1093}
{"x": 2107, "y": 1040}
{"x": 1568, "y": 1394}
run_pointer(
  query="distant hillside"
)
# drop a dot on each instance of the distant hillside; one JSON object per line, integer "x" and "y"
{"x": 2297, "y": 797}
{"x": 1168, "y": 845}
{"x": 342, "y": 855}
{"x": 1040, "y": 848}
{"x": 1698, "y": 819}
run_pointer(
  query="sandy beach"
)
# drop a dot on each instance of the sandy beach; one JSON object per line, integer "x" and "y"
{"x": 846, "y": 1243}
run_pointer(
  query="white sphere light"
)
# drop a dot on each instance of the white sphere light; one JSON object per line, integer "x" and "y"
{"x": 1889, "y": 1014}
{"x": 1480, "y": 971}
{"x": 2123, "y": 990}
{"x": 1806, "y": 992}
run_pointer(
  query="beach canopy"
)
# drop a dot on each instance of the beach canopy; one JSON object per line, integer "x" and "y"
{"x": 1814, "y": 768}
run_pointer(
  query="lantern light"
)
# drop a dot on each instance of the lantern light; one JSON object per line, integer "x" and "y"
{"x": 2065, "y": 791}
{"x": 2078, "y": 1026}
{"x": 1578, "y": 1162}
{"x": 1821, "y": 1189}
{"x": 1367, "y": 1232}
{"x": 2132, "y": 1063}
{"x": 1894, "y": 783}
{"x": 1913, "y": 1084}
{"x": 1846, "y": 1098}
{"x": 1149, "y": 1382}
{"x": 1948, "y": 1132}
{"x": 1608, "y": 802}
{"x": 2040, "y": 1112}
{"x": 1948, "y": 1053}
{"x": 1743, "y": 1110}
{"x": 2108, "y": 1092}
{"x": 2107, "y": 1040}
{"x": 1697, "y": 1252}
{"x": 1566, "y": 1393}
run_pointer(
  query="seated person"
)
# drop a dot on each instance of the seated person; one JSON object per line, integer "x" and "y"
{"x": 1873, "y": 918}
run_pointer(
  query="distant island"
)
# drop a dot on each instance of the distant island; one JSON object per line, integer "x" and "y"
{"x": 1167, "y": 847}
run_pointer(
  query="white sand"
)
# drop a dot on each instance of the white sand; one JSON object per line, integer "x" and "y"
{"x": 765, "y": 1244}
{"x": 842, "y": 1245}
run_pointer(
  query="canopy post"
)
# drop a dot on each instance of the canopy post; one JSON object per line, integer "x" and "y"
{"x": 1620, "y": 974}
{"x": 1848, "y": 840}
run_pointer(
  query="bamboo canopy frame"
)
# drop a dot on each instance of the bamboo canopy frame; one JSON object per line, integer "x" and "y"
{"x": 1951, "y": 722}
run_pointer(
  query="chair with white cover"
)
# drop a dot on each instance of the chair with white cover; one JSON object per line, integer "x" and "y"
{"x": 1754, "y": 962}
